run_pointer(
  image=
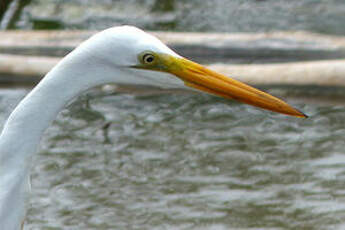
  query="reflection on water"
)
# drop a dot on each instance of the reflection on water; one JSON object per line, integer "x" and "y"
{"x": 187, "y": 162}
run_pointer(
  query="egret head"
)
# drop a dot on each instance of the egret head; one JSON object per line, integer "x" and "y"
{"x": 140, "y": 58}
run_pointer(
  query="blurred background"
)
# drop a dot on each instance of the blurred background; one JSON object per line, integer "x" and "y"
{"x": 122, "y": 157}
{"x": 178, "y": 15}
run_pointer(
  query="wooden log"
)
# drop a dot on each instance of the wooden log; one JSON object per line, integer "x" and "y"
{"x": 74, "y": 37}
{"x": 26, "y": 65}
{"x": 202, "y": 47}
{"x": 323, "y": 73}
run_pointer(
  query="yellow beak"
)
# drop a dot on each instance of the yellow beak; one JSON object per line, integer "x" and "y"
{"x": 201, "y": 78}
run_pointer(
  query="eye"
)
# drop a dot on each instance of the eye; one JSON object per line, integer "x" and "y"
{"x": 148, "y": 58}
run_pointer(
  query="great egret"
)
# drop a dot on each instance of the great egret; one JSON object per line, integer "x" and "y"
{"x": 122, "y": 55}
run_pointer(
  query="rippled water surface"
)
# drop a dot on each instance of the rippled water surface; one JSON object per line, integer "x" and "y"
{"x": 322, "y": 16}
{"x": 184, "y": 161}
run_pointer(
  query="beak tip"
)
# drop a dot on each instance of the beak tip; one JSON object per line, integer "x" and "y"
{"x": 301, "y": 114}
{"x": 305, "y": 115}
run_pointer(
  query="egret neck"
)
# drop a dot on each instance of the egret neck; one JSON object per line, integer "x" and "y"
{"x": 26, "y": 124}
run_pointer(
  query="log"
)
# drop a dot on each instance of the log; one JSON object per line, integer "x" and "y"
{"x": 26, "y": 65}
{"x": 322, "y": 73}
{"x": 202, "y": 47}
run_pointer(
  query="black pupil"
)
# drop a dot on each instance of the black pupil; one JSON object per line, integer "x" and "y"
{"x": 149, "y": 58}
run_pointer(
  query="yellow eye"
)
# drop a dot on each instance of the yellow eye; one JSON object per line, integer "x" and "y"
{"x": 148, "y": 58}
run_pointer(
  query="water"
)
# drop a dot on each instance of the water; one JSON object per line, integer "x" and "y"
{"x": 322, "y": 16}
{"x": 185, "y": 161}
